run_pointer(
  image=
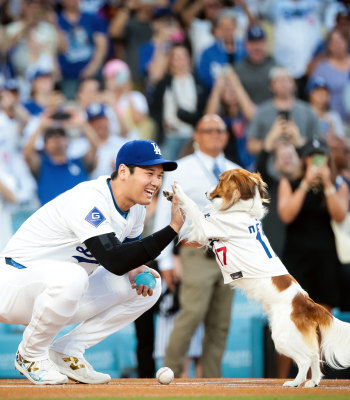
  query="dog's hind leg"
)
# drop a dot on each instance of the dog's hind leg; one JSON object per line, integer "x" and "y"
{"x": 316, "y": 374}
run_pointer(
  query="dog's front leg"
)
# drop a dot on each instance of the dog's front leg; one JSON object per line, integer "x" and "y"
{"x": 193, "y": 214}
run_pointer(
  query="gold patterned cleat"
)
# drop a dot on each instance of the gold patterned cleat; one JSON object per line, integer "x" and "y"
{"x": 77, "y": 368}
{"x": 41, "y": 372}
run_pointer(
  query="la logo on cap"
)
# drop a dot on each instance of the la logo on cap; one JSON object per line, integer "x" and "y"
{"x": 156, "y": 149}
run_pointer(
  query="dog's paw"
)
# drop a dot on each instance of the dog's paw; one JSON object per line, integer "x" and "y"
{"x": 291, "y": 384}
{"x": 311, "y": 384}
{"x": 179, "y": 192}
{"x": 168, "y": 195}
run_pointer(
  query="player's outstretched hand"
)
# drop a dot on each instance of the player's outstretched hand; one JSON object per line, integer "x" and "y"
{"x": 142, "y": 289}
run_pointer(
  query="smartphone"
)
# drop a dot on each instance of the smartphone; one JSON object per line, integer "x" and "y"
{"x": 61, "y": 115}
{"x": 318, "y": 159}
{"x": 284, "y": 114}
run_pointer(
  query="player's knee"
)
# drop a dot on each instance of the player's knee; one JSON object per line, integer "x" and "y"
{"x": 72, "y": 283}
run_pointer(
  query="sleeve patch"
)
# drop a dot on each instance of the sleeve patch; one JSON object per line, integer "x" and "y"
{"x": 95, "y": 217}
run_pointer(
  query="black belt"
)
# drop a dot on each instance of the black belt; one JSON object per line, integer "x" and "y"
{"x": 13, "y": 263}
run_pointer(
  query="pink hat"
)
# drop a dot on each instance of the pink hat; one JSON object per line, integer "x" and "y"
{"x": 114, "y": 67}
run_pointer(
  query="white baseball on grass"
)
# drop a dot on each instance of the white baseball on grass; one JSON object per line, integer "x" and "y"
{"x": 165, "y": 375}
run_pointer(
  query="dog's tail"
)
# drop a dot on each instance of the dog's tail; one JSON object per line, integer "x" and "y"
{"x": 335, "y": 342}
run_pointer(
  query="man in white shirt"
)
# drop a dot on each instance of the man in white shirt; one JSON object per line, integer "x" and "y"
{"x": 203, "y": 296}
{"x": 75, "y": 260}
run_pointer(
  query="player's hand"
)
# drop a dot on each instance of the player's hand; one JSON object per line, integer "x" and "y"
{"x": 142, "y": 289}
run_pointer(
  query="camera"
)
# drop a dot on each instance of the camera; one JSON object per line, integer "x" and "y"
{"x": 61, "y": 115}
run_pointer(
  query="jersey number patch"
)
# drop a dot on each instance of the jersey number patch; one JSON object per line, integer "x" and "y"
{"x": 222, "y": 250}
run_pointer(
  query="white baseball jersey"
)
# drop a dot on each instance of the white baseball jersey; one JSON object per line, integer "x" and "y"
{"x": 59, "y": 228}
{"x": 242, "y": 250}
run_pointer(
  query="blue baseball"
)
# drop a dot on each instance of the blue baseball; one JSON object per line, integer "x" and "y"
{"x": 146, "y": 279}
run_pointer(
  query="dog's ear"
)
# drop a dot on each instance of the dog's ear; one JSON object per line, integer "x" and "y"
{"x": 262, "y": 186}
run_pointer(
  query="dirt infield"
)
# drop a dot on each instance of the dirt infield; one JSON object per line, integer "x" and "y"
{"x": 19, "y": 388}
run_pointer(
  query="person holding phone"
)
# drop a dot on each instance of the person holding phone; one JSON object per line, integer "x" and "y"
{"x": 283, "y": 115}
{"x": 307, "y": 205}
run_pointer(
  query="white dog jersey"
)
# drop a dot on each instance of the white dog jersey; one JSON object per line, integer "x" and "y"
{"x": 242, "y": 250}
{"x": 58, "y": 230}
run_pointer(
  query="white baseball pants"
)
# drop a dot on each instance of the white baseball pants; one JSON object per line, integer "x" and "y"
{"x": 49, "y": 295}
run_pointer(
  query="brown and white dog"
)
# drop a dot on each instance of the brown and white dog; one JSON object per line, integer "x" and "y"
{"x": 301, "y": 329}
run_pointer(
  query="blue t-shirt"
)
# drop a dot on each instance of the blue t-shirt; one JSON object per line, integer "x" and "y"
{"x": 214, "y": 58}
{"x": 80, "y": 42}
{"x": 32, "y": 107}
{"x": 55, "y": 179}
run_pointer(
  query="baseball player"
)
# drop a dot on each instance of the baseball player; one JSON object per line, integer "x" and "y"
{"x": 75, "y": 260}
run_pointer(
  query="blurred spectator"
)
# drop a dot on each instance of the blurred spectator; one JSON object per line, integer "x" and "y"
{"x": 297, "y": 32}
{"x": 254, "y": 70}
{"x": 34, "y": 39}
{"x": 108, "y": 144}
{"x": 340, "y": 152}
{"x": 225, "y": 51}
{"x": 89, "y": 93}
{"x": 335, "y": 70}
{"x": 153, "y": 59}
{"x": 198, "y": 17}
{"x": 42, "y": 86}
{"x": 329, "y": 121}
{"x": 178, "y": 103}
{"x": 55, "y": 102}
{"x": 17, "y": 188}
{"x": 284, "y": 115}
{"x": 54, "y": 171}
{"x": 306, "y": 205}
{"x": 203, "y": 295}
{"x": 339, "y": 15}
{"x": 13, "y": 116}
{"x": 86, "y": 46}
{"x": 132, "y": 26}
{"x": 10, "y": 10}
{"x": 92, "y": 6}
{"x": 129, "y": 105}
{"x": 229, "y": 99}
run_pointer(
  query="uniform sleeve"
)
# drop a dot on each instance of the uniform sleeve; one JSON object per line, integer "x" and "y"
{"x": 215, "y": 228}
{"x": 87, "y": 214}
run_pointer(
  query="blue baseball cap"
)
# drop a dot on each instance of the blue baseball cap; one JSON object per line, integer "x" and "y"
{"x": 95, "y": 110}
{"x": 143, "y": 153}
{"x": 317, "y": 82}
{"x": 10, "y": 84}
{"x": 255, "y": 32}
{"x": 39, "y": 73}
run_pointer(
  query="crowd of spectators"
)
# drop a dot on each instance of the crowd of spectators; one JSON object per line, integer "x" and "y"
{"x": 79, "y": 78}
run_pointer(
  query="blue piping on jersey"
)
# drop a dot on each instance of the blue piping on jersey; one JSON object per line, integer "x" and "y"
{"x": 124, "y": 214}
